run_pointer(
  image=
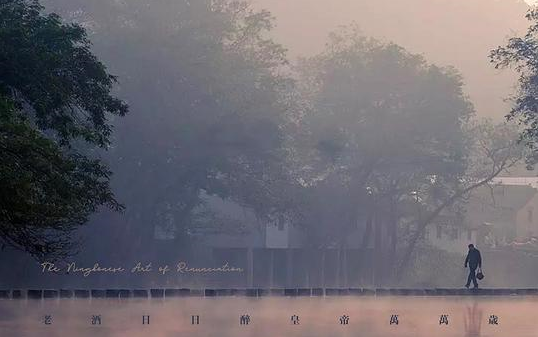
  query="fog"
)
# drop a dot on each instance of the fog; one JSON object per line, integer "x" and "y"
{"x": 271, "y": 317}
{"x": 268, "y": 144}
{"x": 448, "y": 32}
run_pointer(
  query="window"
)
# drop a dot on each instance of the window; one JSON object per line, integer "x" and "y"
{"x": 439, "y": 232}
{"x": 529, "y": 214}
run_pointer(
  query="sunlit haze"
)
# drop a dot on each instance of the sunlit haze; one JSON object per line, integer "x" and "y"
{"x": 268, "y": 168}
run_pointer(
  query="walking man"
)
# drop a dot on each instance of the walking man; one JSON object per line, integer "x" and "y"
{"x": 474, "y": 260}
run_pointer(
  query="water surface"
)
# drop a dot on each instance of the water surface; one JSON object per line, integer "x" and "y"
{"x": 271, "y": 317}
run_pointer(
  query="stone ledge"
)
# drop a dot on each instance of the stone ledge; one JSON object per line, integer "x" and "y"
{"x": 66, "y": 293}
{"x": 82, "y": 293}
{"x": 50, "y": 293}
{"x": 36, "y": 294}
{"x": 140, "y": 293}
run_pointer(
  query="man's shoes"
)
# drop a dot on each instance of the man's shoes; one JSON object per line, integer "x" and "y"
{"x": 467, "y": 286}
{"x": 475, "y": 287}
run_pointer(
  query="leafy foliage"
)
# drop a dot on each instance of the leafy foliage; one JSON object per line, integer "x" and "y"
{"x": 521, "y": 53}
{"x": 212, "y": 114}
{"x": 384, "y": 124}
{"x": 54, "y": 94}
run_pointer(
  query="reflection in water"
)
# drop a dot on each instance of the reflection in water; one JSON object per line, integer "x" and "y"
{"x": 270, "y": 317}
{"x": 472, "y": 320}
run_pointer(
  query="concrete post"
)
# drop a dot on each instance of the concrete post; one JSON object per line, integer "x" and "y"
{"x": 272, "y": 269}
{"x": 250, "y": 267}
{"x": 323, "y": 268}
{"x": 289, "y": 267}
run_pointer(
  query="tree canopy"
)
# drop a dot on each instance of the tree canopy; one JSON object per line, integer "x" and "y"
{"x": 393, "y": 141}
{"x": 383, "y": 121}
{"x": 521, "y": 53}
{"x": 55, "y": 103}
{"x": 213, "y": 111}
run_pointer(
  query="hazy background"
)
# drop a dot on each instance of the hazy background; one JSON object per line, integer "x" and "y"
{"x": 459, "y": 33}
{"x": 272, "y": 139}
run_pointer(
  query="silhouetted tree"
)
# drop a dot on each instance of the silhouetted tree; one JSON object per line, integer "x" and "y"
{"x": 521, "y": 53}
{"x": 55, "y": 103}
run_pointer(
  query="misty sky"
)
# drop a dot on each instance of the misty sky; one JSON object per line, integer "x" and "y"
{"x": 459, "y": 33}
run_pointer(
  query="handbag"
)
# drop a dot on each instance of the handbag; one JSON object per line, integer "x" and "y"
{"x": 479, "y": 274}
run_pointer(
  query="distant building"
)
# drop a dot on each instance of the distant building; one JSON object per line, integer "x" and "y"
{"x": 451, "y": 237}
{"x": 496, "y": 215}
{"x": 279, "y": 254}
{"x": 516, "y": 181}
{"x": 527, "y": 220}
{"x": 503, "y": 213}
{"x": 275, "y": 254}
